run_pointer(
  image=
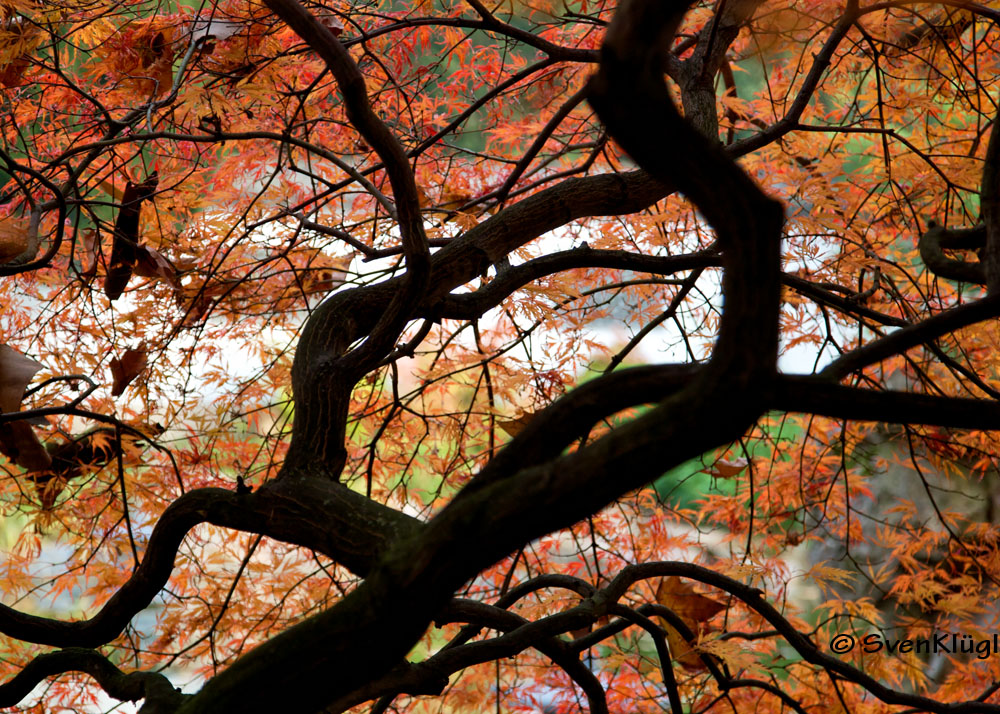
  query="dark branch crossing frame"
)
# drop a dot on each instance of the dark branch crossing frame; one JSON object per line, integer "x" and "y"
{"x": 354, "y": 651}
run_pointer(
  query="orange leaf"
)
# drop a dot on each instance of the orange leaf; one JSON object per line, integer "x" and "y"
{"x": 453, "y": 200}
{"x": 48, "y": 490}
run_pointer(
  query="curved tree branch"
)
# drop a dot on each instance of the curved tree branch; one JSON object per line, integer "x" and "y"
{"x": 817, "y": 395}
{"x": 802, "y": 644}
{"x": 367, "y": 632}
{"x": 937, "y": 239}
{"x": 913, "y": 335}
{"x": 319, "y": 514}
{"x": 155, "y": 688}
{"x": 519, "y": 635}
{"x": 317, "y": 346}
{"x": 472, "y": 305}
{"x": 989, "y": 207}
{"x": 319, "y": 428}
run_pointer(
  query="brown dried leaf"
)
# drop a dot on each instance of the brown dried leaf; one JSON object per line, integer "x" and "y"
{"x": 17, "y": 439}
{"x": 12, "y": 73}
{"x": 16, "y": 372}
{"x": 325, "y": 276}
{"x": 48, "y": 490}
{"x": 152, "y": 49}
{"x": 13, "y": 238}
{"x": 690, "y": 606}
{"x": 88, "y": 254}
{"x": 125, "y": 244}
{"x": 516, "y": 426}
{"x": 332, "y": 23}
{"x": 726, "y": 469}
{"x": 124, "y": 370}
{"x": 19, "y": 444}
{"x": 150, "y": 263}
{"x": 694, "y": 609}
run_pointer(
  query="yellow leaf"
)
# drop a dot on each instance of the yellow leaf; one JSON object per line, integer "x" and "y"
{"x": 827, "y": 574}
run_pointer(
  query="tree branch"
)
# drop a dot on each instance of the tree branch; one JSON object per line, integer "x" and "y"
{"x": 817, "y": 395}
{"x": 802, "y": 644}
{"x": 317, "y": 513}
{"x": 314, "y": 345}
{"x": 472, "y": 305}
{"x": 367, "y": 632}
{"x": 937, "y": 239}
{"x": 319, "y": 428}
{"x": 903, "y": 339}
{"x": 156, "y": 689}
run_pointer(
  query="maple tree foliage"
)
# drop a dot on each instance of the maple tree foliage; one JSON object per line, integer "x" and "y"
{"x": 425, "y": 356}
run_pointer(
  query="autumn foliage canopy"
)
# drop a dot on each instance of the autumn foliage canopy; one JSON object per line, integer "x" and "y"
{"x": 463, "y": 356}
